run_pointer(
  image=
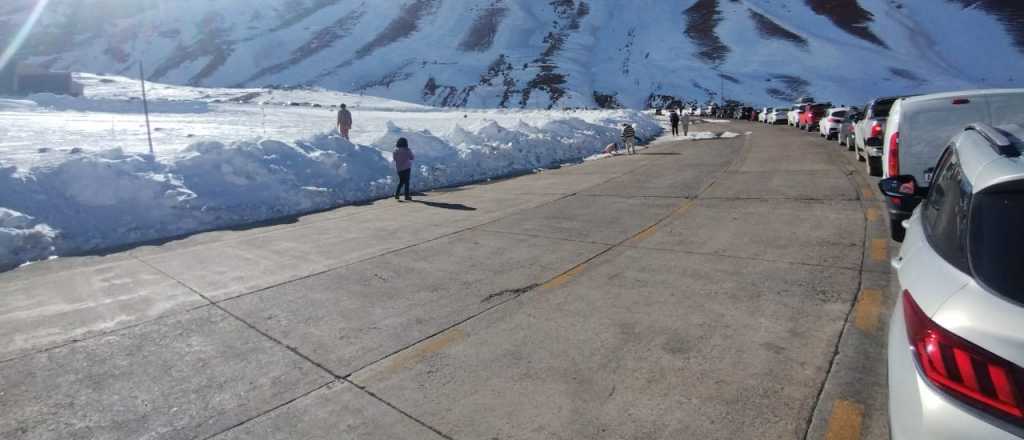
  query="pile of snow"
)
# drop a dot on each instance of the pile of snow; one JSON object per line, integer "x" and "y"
{"x": 102, "y": 199}
{"x": 16, "y": 105}
{"x": 22, "y": 239}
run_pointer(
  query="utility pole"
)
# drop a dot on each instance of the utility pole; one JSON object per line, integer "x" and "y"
{"x": 145, "y": 106}
{"x": 723, "y": 90}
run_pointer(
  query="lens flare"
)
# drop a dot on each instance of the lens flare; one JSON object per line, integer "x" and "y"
{"x": 22, "y": 34}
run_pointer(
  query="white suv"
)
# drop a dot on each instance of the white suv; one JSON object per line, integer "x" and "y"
{"x": 829, "y": 125}
{"x": 955, "y": 341}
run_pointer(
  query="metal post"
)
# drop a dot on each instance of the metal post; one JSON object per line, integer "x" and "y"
{"x": 145, "y": 107}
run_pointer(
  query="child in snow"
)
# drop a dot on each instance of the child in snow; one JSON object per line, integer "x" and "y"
{"x": 403, "y": 164}
{"x": 629, "y": 138}
{"x": 611, "y": 148}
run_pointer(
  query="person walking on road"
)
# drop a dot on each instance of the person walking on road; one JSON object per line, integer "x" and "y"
{"x": 344, "y": 121}
{"x": 629, "y": 138}
{"x": 403, "y": 164}
{"x": 673, "y": 118}
{"x": 686, "y": 124}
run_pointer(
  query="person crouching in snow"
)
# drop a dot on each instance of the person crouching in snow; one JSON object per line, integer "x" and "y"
{"x": 611, "y": 149}
{"x": 629, "y": 138}
{"x": 403, "y": 164}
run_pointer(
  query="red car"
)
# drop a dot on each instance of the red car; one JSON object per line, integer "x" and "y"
{"x": 812, "y": 115}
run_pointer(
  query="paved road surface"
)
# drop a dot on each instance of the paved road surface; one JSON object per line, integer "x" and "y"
{"x": 726, "y": 289}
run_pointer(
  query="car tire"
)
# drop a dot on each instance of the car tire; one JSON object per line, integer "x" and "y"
{"x": 896, "y": 230}
{"x": 850, "y": 143}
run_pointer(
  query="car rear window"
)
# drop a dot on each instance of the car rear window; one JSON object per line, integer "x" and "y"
{"x": 839, "y": 114}
{"x": 1006, "y": 109}
{"x": 997, "y": 239}
{"x": 881, "y": 108}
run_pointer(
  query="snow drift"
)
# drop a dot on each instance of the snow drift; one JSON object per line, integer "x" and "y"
{"x": 103, "y": 199}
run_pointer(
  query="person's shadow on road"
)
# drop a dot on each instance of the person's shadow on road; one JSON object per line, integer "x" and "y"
{"x": 453, "y": 206}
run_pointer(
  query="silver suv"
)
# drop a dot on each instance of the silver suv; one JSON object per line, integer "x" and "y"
{"x": 956, "y": 343}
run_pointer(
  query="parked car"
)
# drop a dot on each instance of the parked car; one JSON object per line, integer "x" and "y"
{"x": 743, "y": 113}
{"x": 793, "y": 116}
{"x": 920, "y": 127}
{"x": 955, "y": 347}
{"x": 868, "y": 134}
{"x": 829, "y": 125}
{"x": 845, "y": 136}
{"x": 778, "y": 116}
{"x": 763, "y": 116}
{"x": 812, "y": 115}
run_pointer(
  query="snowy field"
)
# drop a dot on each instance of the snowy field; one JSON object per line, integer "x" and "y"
{"x": 76, "y": 176}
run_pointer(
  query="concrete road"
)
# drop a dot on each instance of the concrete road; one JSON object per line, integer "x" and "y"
{"x": 720, "y": 289}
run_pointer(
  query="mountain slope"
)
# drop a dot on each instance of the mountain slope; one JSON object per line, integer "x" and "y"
{"x": 542, "y": 53}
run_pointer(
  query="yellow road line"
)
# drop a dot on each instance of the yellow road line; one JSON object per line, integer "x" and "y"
{"x": 638, "y": 237}
{"x": 872, "y": 214}
{"x": 845, "y": 421}
{"x": 563, "y": 278}
{"x": 645, "y": 234}
{"x": 682, "y": 208}
{"x": 879, "y": 249}
{"x": 868, "y": 311}
{"x": 650, "y": 230}
{"x": 419, "y": 352}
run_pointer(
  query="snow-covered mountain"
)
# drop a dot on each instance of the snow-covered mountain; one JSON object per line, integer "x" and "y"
{"x": 540, "y": 53}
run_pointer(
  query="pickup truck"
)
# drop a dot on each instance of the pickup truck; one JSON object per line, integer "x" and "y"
{"x": 868, "y": 132}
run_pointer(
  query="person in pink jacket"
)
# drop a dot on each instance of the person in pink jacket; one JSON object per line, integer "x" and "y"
{"x": 403, "y": 164}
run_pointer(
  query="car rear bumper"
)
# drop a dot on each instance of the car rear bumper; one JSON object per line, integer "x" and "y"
{"x": 919, "y": 411}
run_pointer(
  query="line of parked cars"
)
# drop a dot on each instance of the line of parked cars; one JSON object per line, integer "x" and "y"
{"x": 953, "y": 179}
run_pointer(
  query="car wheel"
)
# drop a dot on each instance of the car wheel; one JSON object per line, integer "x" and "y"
{"x": 896, "y": 230}
{"x": 850, "y": 143}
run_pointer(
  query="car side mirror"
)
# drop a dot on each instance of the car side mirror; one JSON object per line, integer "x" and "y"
{"x": 874, "y": 142}
{"x": 903, "y": 186}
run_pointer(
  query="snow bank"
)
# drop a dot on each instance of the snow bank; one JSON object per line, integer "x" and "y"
{"x": 22, "y": 239}
{"x": 70, "y": 103}
{"x": 17, "y": 105}
{"x": 111, "y": 198}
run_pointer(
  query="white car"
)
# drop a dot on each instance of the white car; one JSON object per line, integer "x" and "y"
{"x": 776, "y": 117}
{"x": 762, "y": 116}
{"x": 793, "y": 117}
{"x": 919, "y": 128}
{"x": 829, "y": 125}
{"x": 955, "y": 346}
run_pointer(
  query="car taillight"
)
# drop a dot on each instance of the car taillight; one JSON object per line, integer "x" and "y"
{"x": 894, "y": 154}
{"x": 962, "y": 369}
{"x": 876, "y": 129}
